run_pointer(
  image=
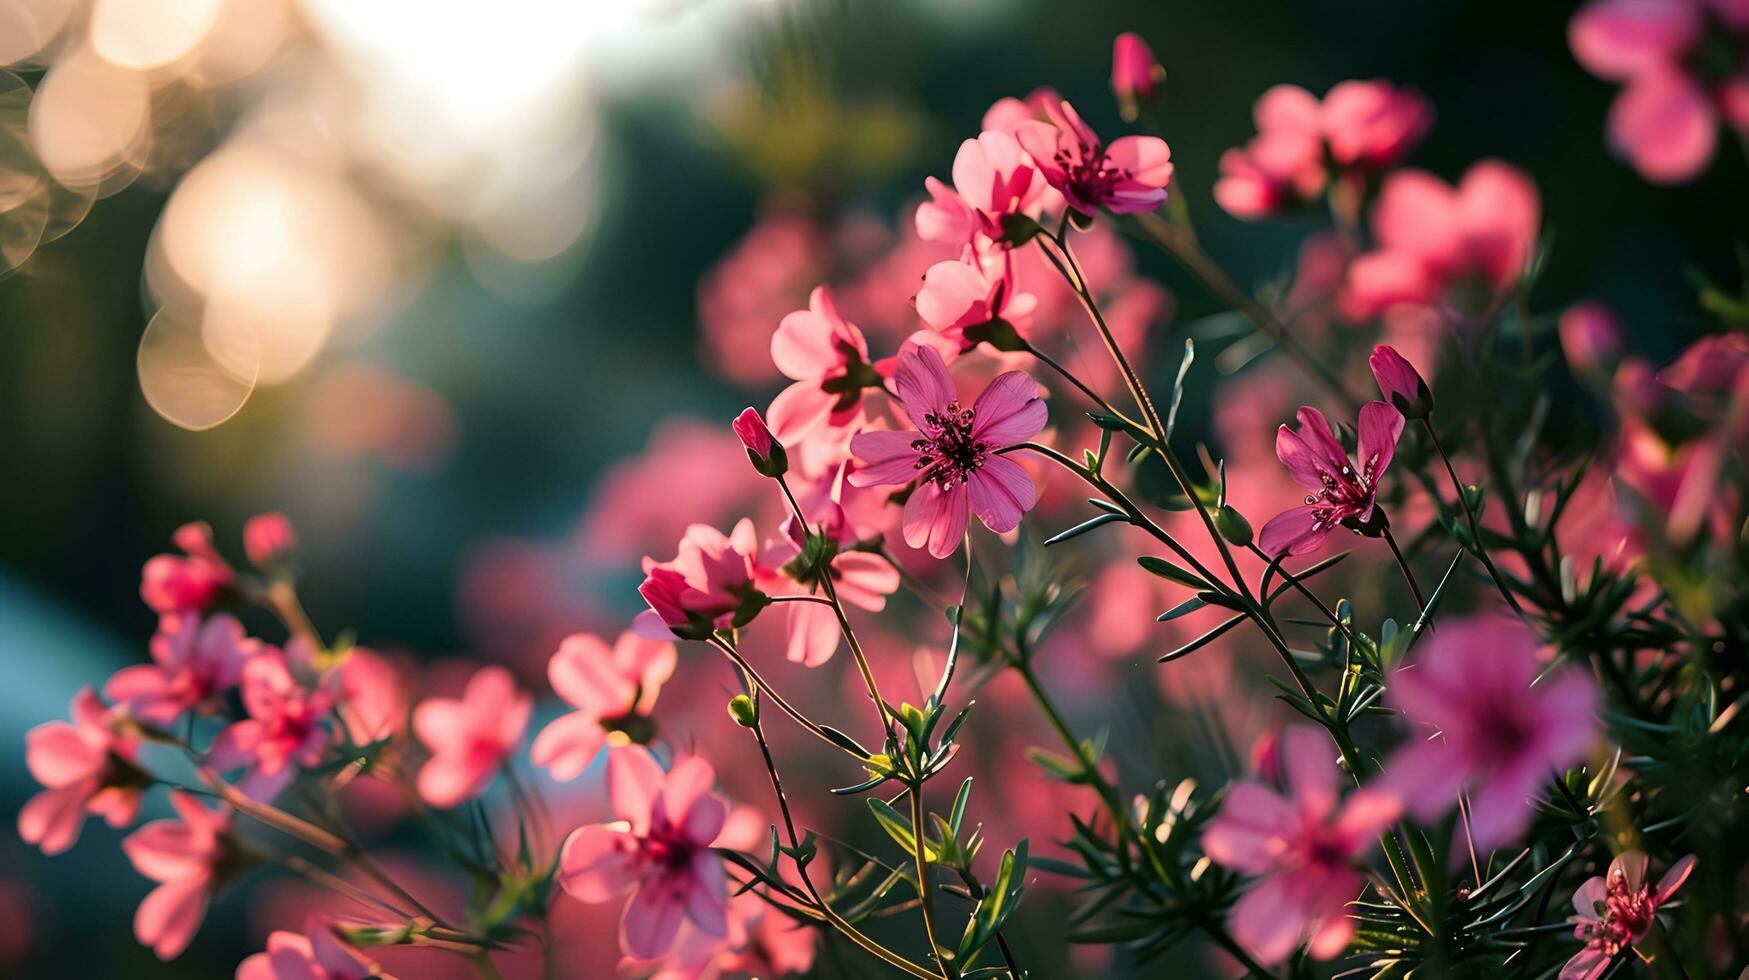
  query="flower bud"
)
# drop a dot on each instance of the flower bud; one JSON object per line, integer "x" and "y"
{"x": 742, "y": 709}
{"x": 269, "y": 539}
{"x": 1590, "y": 337}
{"x": 1400, "y": 383}
{"x": 763, "y": 448}
{"x": 1134, "y": 73}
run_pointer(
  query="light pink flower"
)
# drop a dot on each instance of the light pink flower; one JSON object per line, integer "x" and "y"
{"x": 85, "y": 767}
{"x": 1486, "y": 724}
{"x": 315, "y": 954}
{"x": 1282, "y": 166}
{"x": 373, "y": 695}
{"x": 185, "y": 857}
{"x": 190, "y": 582}
{"x": 1373, "y": 124}
{"x": 707, "y": 586}
{"x": 954, "y": 452}
{"x": 1344, "y": 491}
{"x": 995, "y": 178}
{"x": 194, "y": 662}
{"x": 611, "y": 689}
{"x": 1127, "y": 177}
{"x": 269, "y": 539}
{"x": 1135, "y": 73}
{"x": 286, "y": 728}
{"x": 975, "y": 290}
{"x": 661, "y": 845}
{"x": 1665, "y": 121}
{"x": 1617, "y": 911}
{"x": 1306, "y": 848}
{"x": 1438, "y": 244}
{"x": 861, "y": 578}
{"x": 827, "y": 358}
{"x": 471, "y": 737}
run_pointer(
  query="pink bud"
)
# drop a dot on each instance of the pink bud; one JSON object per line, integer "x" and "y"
{"x": 1590, "y": 336}
{"x": 269, "y": 539}
{"x": 763, "y": 448}
{"x": 1400, "y": 383}
{"x": 1134, "y": 72}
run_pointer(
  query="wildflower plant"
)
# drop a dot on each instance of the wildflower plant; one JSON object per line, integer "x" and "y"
{"x": 1547, "y": 708}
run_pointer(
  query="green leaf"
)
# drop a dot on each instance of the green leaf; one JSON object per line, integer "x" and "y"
{"x": 1084, "y": 527}
{"x": 1178, "y": 385}
{"x": 898, "y": 827}
{"x": 1184, "y": 608}
{"x": 1233, "y": 525}
{"x": 1204, "y": 640}
{"x": 1171, "y": 572}
{"x": 845, "y": 741}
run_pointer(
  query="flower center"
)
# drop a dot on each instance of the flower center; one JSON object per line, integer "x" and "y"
{"x": 1088, "y": 170}
{"x": 947, "y": 455}
{"x": 1346, "y": 493}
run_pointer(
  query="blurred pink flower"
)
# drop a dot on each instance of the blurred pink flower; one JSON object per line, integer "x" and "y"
{"x": 608, "y": 687}
{"x": 1282, "y": 166}
{"x": 1305, "y": 848}
{"x": 1344, "y": 491}
{"x": 1374, "y": 124}
{"x": 286, "y": 727}
{"x": 190, "y": 582}
{"x": 373, "y": 695}
{"x": 1438, "y": 244}
{"x": 1665, "y": 121}
{"x": 687, "y": 473}
{"x": 708, "y": 584}
{"x": 315, "y": 954}
{"x": 1127, "y": 177}
{"x": 661, "y": 845}
{"x": 471, "y": 737}
{"x": 193, "y": 664}
{"x": 827, "y": 357}
{"x": 269, "y": 539}
{"x": 741, "y": 299}
{"x": 861, "y": 579}
{"x": 185, "y": 856}
{"x": 954, "y": 452}
{"x": 85, "y": 767}
{"x": 1135, "y": 73}
{"x": 1498, "y": 731}
{"x": 1590, "y": 337}
{"x": 1617, "y": 911}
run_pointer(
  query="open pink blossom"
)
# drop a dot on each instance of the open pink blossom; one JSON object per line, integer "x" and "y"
{"x": 469, "y": 737}
{"x": 995, "y": 178}
{"x": 1617, "y": 911}
{"x": 974, "y": 290}
{"x": 87, "y": 766}
{"x": 1373, "y": 124}
{"x": 613, "y": 689}
{"x": 827, "y": 358}
{"x": 1344, "y": 491}
{"x": 1436, "y": 244}
{"x": 1127, "y": 177}
{"x": 194, "y": 662}
{"x": 861, "y": 579}
{"x": 1485, "y": 724}
{"x": 314, "y": 954}
{"x": 660, "y": 845}
{"x": 286, "y": 728}
{"x": 1306, "y": 849}
{"x": 1282, "y": 166}
{"x": 186, "y": 857}
{"x": 707, "y": 586}
{"x": 954, "y": 453}
{"x": 189, "y": 582}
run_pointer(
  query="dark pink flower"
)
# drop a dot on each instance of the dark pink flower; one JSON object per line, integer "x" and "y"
{"x": 1373, "y": 124}
{"x": 1399, "y": 382}
{"x": 186, "y": 857}
{"x": 1306, "y": 848}
{"x": 660, "y": 845}
{"x": 286, "y": 728}
{"x": 315, "y": 954}
{"x": 1127, "y": 177}
{"x": 611, "y": 688}
{"x": 707, "y": 586}
{"x": 193, "y": 664}
{"x": 827, "y": 358}
{"x": 269, "y": 539}
{"x": 470, "y": 737}
{"x": 1344, "y": 491}
{"x": 1590, "y": 336}
{"x": 953, "y": 454}
{"x": 85, "y": 767}
{"x": 1617, "y": 911}
{"x": 1487, "y": 724}
{"x": 1135, "y": 73}
{"x": 190, "y": 582}
{"x": 1438, "y": 244}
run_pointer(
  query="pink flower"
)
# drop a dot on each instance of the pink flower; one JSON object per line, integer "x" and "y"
{"x": 1436, "y": 243}
{"x": 1399, "y": 382}
{"x": 373, "y": 696}
{"x": 1590, "y": 336}
{"x": 1305, "y": 847}
{"x": 827, "y": 358}
{"x": 185, "y": 857}
{"x": 612, "y": 690}
{"x": 954, "y": 452}
{"x": 1282, "y": 166}
{"x": 1373, "y": 124}
{"x": 286, "y": 728}
{"x": 315, "y": 954}
{"x": 707, "y": 586}
{"x": 194, "y": 663}
{"x": 1135, "y": 73}
{"x": 190, "y": 582}
{"x": 1127, "y": 177}
{"x": 975, "y": 290}
{"x": 1496, "y": 730}
{"x": 763, "y": 450}
{"x": 661, "y": 845}
{"x": 85, "y": 767}
{"x": 1616, "y": 912}
{"x": 861, "y": 579}
{"x": 1344, "y": 491}
{"x": 269, "y": 539}
{"x": 471, "y": 737}
{"x": 995, "y": 178}
{"x": 1665, "y": 121}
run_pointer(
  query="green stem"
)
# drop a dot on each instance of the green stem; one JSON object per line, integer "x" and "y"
{"x": 1476, "y": 546}
{"x": 1408, "y": 575}
{"x": 925, "y": 894}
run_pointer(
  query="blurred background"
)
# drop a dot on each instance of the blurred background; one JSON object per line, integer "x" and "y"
{"x": 445, "y": 282}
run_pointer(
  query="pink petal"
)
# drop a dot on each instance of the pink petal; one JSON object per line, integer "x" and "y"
{"x": 168, "y": 917}
{"x": 441, "y": 724}
{"x": 167, "y": 850}
{"x": 634, "y": 781}
{"x": 597, "y": 863}
{"x": 1417, "y": 214}
{"x": 799, "y": 410}
{"x": 1673, "y": 879}
{"x": 935, "y": 520}
{"x": 1424, "y": 775}
{"x": 53, "y": 818}
{"x": 887, "y": 457}
{"x": 1250, "y": 830}
{"x": 1309, "y": 761}
{"x": 951, "y": 292}
{"x": 1267, "y": 921}
{"x": 811, "y": 633}
{"x": 802, "y": 348}
{"x": 568, "y": 745}
{"x": 447, "y": 780}
{"x": 1331, "y": 938}
{"x": 582, "y": 672}
{"x": 924, "y": 385}
{"x": 1666, "y": 126}
{"x": 1288, "y": 109}
{"x": 1499, "y": 212}
{"x": 58, "y": 754}
{"x": 652, "y": 919}
{"x": 1008, "y": 411}
{"x": 1616, "y": 39}
{"x": 1000, "y": 493}
{"x": 1380, "y": 427}
{"x": 1147, "y": 158}
{"x": 687, "y": 786}
{"x": 1292, "y": 532}
{"x": 707, "y": 900}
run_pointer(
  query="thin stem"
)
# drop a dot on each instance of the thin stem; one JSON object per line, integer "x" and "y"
{"x": 1092, "y": 396}
{"x": 924, "y": 894}
{"x": 1476, "y": 546}
{"x": 822, "y": 600}
{"x": 1294, "y": 582}
{"x": 787, "y": 708}
{"x": 1408, "y": 575}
